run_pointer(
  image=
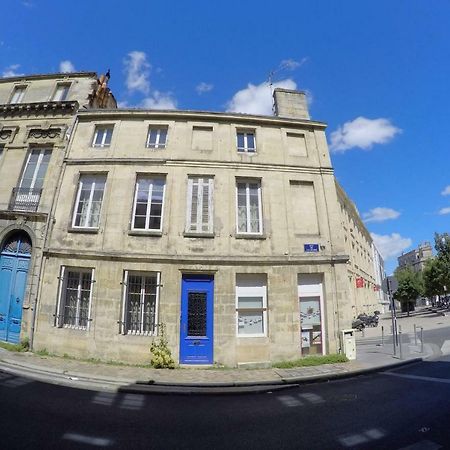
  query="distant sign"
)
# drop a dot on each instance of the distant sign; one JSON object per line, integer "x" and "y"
{"x": 359, "y": 282}
{"x": 311, "y": 247}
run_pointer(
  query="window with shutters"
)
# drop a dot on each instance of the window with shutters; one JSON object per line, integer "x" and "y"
{"x": 75, "y": 297}
{"x": 140, "y": 303}
{"x": 148, "y": 203}
{"x": 199, "y": 218}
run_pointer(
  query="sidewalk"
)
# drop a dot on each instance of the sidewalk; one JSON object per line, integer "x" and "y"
{"x": 371, "y": 356}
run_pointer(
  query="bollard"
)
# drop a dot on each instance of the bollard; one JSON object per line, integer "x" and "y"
{"x": 415, "y": 334}
{"x": 400, "y": 340}
{"x": 421, "y": 339}
{"x": 382, "y": 335}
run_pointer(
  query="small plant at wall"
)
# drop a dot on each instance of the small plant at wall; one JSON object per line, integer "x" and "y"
{"x": 161, "y": 354}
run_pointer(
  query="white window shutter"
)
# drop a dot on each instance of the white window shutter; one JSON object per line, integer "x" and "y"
{"x": 59, "y": 304}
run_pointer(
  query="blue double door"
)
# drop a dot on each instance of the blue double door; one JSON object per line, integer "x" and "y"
{"x": 197, "y": 319}
{"x": 13, "y": 280}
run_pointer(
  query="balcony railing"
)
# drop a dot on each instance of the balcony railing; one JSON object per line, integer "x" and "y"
{"x": 25, "y": 199}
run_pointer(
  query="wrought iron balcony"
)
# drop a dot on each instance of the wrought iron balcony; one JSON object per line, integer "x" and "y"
{"x": 25, "y": 199}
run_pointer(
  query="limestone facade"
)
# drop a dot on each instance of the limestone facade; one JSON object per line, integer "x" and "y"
{"x": 269, "y": 232}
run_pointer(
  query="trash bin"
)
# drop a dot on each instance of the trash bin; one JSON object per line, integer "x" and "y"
{"x": 348, "y": 343}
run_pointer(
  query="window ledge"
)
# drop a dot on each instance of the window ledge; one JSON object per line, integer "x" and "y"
{"x": 82, "y": 230}
{"x": 193, "y": 234}
{"x": 156, "y": 233}
{"x": 250, "y": 236}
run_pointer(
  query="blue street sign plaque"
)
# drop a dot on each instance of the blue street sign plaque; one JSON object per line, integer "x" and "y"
{"x": 311, "y": 247}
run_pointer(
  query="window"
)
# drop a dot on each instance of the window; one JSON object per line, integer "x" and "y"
{"x": 62, "y": 90}
{"x": 148, "y": 203}
{"x": 27, "y": 195}
{"x": 140, "y": 307}
{"x": 2, "y": 147}
{"x": 89, "y": 201}
{"x": 157, "y": 137}
{"x": 246, "y": 141}
{"x": 200, "y": 205}
{"x": 18, "y": 93}
{"x": 75, "y": 294}
{"x": 251, "y": 305}
{"x": 249, "y": 214}
{"x": 102, "y": 136}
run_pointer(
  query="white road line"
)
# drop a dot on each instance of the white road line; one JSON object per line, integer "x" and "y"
{"x": 417, "y": 377}
{"x": 423, "y": 445}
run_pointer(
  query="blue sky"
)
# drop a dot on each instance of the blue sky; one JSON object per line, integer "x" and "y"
{"x": 376, "y": 72}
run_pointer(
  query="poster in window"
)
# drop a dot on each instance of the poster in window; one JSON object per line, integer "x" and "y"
{"x": 316, "y": 338}
{"x": 305, "y": 339}
{"x": 309, "y": 312}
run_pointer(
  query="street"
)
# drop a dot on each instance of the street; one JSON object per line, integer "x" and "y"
{"x": 406, "y": 408}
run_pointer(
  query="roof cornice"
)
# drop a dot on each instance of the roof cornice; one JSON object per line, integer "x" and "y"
{"x": 48, "y": 76}
{"x": 85, "y": 115}
{"x": 18, "y": 109}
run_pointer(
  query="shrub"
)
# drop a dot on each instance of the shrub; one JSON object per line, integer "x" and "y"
{"x": 311, "y": 361}
{"x": 161, "y": 354}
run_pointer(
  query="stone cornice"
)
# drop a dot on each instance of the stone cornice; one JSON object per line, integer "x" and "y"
{"x": 194, "y": 259}
{"x": 235, "y": 165}
{"x": 44, "y": 108}
{"x": 49, "y": 76}
{"x": 206, "y": 116}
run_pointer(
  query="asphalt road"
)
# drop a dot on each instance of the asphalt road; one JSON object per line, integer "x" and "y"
{"x": 407, "y": 408}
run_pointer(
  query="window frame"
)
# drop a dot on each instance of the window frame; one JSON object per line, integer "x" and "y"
{"x": 90, "y": 201}
{"x": 125, "y": 292}
{"x": 247, "y": 182}
{"x": 199, "y": 208}
{"x": 151, "y": 177}
{"x": 62, "y": 297}
{"x": 42, "y": 153}
{"x": 104, "y": 128}
{"x": 16, "y": 89}
{"x": 157, "y": 144}
{"x": 245, "y": 132}
{"x": 242, "y": 291}
{"x": 61, "y": 84}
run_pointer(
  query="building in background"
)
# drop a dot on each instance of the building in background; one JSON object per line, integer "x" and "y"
{"x": 365, "y": 264}
{"x": 416, "y": 259}
{"x": 36, "y": 116}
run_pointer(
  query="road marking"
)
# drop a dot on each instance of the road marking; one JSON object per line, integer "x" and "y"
{"x": 445, "y": 349}
{"x": 417, "y": 377}
{"x": 422, "y": 445}
{"x": 351, "y": 440}
{"x": 83, "y": 439}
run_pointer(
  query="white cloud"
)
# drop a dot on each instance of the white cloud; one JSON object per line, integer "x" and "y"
{"x": 446, "y": 190}
{"x": 11, "y": 71}
{"x": 362, "y": 133}
{"x": 137, "y": 70}
{"x": 444, "y": 211}
{"x": 291, "y": 64}
{"x": 380, "y": 214}
{"x": 159, "y": 100}
{"x": 66, "y": 66}
{"x": 392, "y": 245}
{"x": 204, "y": 87}
{"x": 257, "y": 99}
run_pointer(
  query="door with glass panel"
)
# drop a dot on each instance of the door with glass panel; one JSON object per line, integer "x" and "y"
{"x": 28, "y": 193}
{"x": 196, "y": 321}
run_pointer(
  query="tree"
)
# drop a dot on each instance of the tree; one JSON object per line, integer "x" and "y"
{"x": 442, "y": 246}
{"x": 410, "y": 286}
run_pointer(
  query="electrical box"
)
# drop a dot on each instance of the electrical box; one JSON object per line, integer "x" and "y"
{"x": 348, "y": 343}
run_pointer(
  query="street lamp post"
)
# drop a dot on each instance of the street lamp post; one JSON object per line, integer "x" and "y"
{"x": 393, "y": 316}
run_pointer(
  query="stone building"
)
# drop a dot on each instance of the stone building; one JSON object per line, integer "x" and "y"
{"x": 226, "y": 228}
{"x": 365, "y": 272}
{"x": 36, "y": 115}
{"x": 416, "y": 258}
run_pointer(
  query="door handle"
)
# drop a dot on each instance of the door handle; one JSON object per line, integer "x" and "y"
{"x": 17, "y": 300}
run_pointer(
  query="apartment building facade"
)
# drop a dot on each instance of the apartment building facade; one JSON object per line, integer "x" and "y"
{"x": 223, "y": 227}
{"x": 36, "y": 115}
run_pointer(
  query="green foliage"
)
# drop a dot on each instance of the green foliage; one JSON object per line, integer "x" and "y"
{"x": 161, "y": 354}
{"x": 436, "y": 275}
{"x": 42, "y": 352}
{"x": 410, "y": 285}
{"x": 24, "y": 346}
{"x": 311, "y": 361}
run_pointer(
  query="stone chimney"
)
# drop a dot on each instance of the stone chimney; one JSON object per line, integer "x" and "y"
{"x": 290, "y": 104}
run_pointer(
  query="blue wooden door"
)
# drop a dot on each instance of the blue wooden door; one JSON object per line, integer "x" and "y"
{"x": 14, "y": 263}
{"x": 197, "y": 317}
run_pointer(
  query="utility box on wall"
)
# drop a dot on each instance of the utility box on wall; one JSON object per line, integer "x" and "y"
{"x": 348, "y": 343}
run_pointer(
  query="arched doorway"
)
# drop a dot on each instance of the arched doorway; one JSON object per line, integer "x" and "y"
{"x": 14, "y": 262}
